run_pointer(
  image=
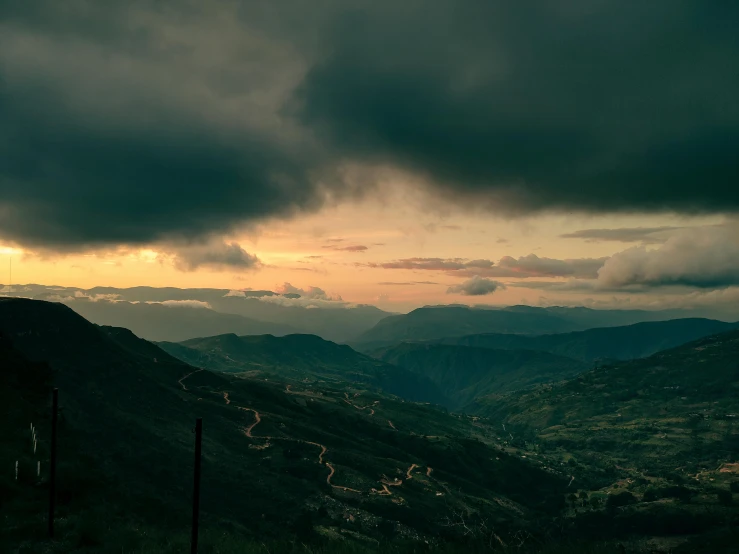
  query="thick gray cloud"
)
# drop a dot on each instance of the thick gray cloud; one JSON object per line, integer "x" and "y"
{"x": 214, "y": 255}
{"x": 138, "y": 122}
{"x": 597, "y": 106}
{"x": 646, "y": 235}
{"x": 534, "y": 266}
{"x": 476, "y": 286}
{"x": 703, "y": 257}
{"x": 522, "y": 267}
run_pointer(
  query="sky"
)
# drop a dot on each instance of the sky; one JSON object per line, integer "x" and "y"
{"x": 400, "y": 154}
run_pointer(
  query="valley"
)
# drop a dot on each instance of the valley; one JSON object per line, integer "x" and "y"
{"x": 424, "y": 442}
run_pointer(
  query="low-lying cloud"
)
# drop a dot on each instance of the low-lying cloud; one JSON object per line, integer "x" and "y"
{"x": 219, "y": 256}
{"x": 702, "y": 257}
{"x": 476, "y": 286}
{"x": 199, "y": 304}
{"x": 309, "y": 293}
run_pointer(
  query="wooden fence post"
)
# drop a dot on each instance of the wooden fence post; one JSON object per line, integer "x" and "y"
{"x": 52, "y": 465}
{"x": 196, "y": 485}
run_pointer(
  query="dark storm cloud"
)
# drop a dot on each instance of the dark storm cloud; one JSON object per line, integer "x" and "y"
{"x": 476, "y": 286}
{"x": 649, "y": 235}
{"x": 138, "y": 122}
{"x": 574, "y": 105}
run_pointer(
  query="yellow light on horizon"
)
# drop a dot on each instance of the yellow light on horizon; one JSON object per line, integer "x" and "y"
{"x": 10, "y": 251}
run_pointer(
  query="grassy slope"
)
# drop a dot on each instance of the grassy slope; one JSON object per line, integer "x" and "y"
{"x": 464, "y": 373}
{"x": 303, "y": 358}
{"x": 664, "y": 428}
{"x": 126, "y": 450}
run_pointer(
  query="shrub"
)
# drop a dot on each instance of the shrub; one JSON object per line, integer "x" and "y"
{"x": 683, "y": 494}
{"x": 650, "y": 495}
{"x": 620, "y": 499}
{"x": 725, "y": 498}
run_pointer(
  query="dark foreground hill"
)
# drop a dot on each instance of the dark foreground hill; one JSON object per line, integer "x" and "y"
{"x": 464, "y": 373}
{"x": 305, "y": 358}
{"x": 605, "y": 343}
{"x": 325, "y": 462}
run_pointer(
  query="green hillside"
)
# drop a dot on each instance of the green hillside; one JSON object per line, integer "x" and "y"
{"x": 304, "y": 359}
{"x": 662, "y": 432}
{"x": 306, "y": 463}
{"x": 464, "y": 373}
{"x": 604, "y": 343}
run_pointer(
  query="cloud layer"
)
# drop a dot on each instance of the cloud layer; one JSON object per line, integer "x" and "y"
{"x": 137, "y": 123}
{"x": 522, "y": 267}
{"x": 311, "y": 293}
{"x": 566, "y": 105}
{"x": 704, "y": 257}
{"x": 646, "y": 235}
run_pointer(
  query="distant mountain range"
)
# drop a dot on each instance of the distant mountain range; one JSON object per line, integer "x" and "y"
{"x": 604, "y": 343}
{"x": 442, "y": 322}
{"x": 172, "y": 314}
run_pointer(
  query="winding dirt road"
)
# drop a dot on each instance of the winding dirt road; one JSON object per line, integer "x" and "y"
{"x": 257, "y": 420}
{"x": 324, "y": 450}
{"x": 371, "y": 409}
{"x": 186, "y": 376}
{"x": 248, "y": 432}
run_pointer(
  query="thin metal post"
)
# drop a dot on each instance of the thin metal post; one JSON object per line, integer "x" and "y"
{"x": 196, "y": 485}
{"x": 52, "y": 465}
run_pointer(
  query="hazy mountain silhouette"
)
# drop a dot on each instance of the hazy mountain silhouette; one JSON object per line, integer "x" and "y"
{"x": 614, "y": 343}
